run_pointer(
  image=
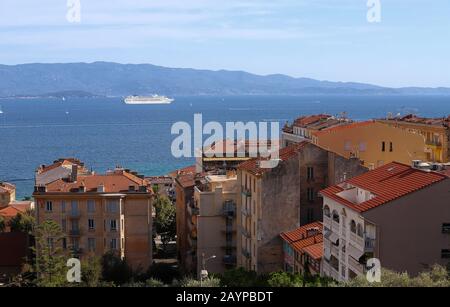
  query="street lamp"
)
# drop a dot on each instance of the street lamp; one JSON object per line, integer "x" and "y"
{"x": 204, "y": 272}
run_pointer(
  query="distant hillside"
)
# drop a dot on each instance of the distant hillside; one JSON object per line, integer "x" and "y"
{"x": 112, "y": 79}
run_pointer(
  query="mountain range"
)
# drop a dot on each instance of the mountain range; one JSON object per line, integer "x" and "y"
{"x": 113, "y": 79}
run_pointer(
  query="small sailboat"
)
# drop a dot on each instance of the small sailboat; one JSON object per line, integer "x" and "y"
{"x": 1, "y": 111}
{"x": 64, "y": 99}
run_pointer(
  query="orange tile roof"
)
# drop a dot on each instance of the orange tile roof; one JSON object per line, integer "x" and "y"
{"x": 342, "y": 127}
{"x": 315, "y": 251}
{"x": 309, "y": 119}
{"x": 14, "y": 209}
{"x": 300, "y": 233}
{"x": 186, "y": 180}
{"x": 286, "y": 153}
{"x": 114, "y": 182}
{"x": 387, "y": 183}
{"x": 60, "y": 162}
{"x": 300, "y": 245}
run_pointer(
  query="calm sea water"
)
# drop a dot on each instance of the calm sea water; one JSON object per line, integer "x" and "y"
{"x": 105, "y": 132}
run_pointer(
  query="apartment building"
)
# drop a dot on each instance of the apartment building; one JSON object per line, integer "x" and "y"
{"x": 184, "y": 183}
{"x": 303, "y": 127}
{"x": 7, "y": 194}
{"x": 396, "y": 213}
{"x": 213, "y": 220}
{"x": 99, "y": 213}
{"x": 374, "y": 143}
{"x": 277, "y": 200}
{"x": 303, "y": 249}
{"x": 435, "y": 131}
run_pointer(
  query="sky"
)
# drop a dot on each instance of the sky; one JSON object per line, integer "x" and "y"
{"x": 320, "y": 39}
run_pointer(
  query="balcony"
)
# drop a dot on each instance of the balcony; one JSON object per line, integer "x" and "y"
{"x": 229, "y": 209}
{"x": 228, "y": 229}
{"x": 356, "y": 239}
{"x": 334, "y": 250}
{"x": 192, "y": 210}
{"x": 229, "y": 260}
{"x": 369, "y": 245}
{"x": 434, "y": 143}
{"x": 335, "y": 226}
{"x": 246, "y": 212}
{"x": 355, "y": 266}
{"x": 74, "y": 214}
{"x": 246, "y": 253}
{"x": 246, "y": 192}
{"x": 245, "y": 233}
{"x": 327, "y": 221}
{"x": 74, "y": 233}
{"x": 76, "y": 251}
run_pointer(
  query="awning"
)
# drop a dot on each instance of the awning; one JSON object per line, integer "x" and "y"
{"x": 331, "y": 236}
{"x": 354, "y": 252}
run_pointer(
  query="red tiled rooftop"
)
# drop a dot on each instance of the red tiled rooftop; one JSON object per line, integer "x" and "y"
{"x": 387, "y": 183}
{"x": 315, "y": 251}
{"x": 186, "y": 180}
{"x": 252, "y": 166}
{"x": 300, "y": 245}
{"x": 14, "y": 209}
{"x": 60, "y": 162}
{"x": 310, "y": 119}
{"x": 412, "y": 118}
{"x": 300, "y": 233}
{"x": 114, "y": 182}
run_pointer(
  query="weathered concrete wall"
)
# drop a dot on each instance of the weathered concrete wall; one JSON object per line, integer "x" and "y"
{"x": 280, "y": 212}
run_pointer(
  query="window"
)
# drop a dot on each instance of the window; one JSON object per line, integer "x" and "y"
{"x": 359, "y": 230}
{"x": 49, "y": 206}
{"x": 391, "y": 147}
{"x": 113, "y": 244}
{"x": 310, "y": 173}
{"x": 91, "y": 206}
{"x": 383, "y": 146}
{"x": 64, "y": 225}
{"x": 445, "y": 253}
{"x": 326, "y": 211}
{"x": 64, "y": 243}
{"x": 446, "y": 228}
{"x": 74, "y": 207}
{"x": 310, "y": 192}
{"x": 353, "y": 226}
{"x": 113, "y": 225}
{"x": 335, "y": 216}
{"x": 362, "y": 146}
{"x": 112, "y": 206}
{"x": 63, "y": 206}
{"x": 310, "y": 215}
{"x": 348, "y": 145}
{"x": 91, "y": 244}
{"x": 91, "y": 224}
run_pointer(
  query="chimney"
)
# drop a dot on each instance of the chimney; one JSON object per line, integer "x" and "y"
{"x": 131, "y": 188}
{"x": 74, "y": 173}
{"x": 416, "y": 163}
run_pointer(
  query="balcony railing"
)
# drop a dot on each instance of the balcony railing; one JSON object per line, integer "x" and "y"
{"x": 74, "y": 214}
{"x": 334, "y": 250}
{"x": 247, "y": 192}
{"x": 245, "y": 232}
{"x": 74, "y": 232}
{"x": 435, "y": 143}
{"x": 229, "y": 260}
{"x": 355, "y": 266}
{"x": 369, "y": 244}
{"x": 327, "y": 221}
{"x": 229, "y": 209}
{"x": 246, "y": 253}
{"x": 246, "y": 211}
{"x": 356, "y": 239}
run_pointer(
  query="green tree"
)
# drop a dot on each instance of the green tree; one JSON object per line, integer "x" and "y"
{"x": 91, "y": 271}
{"x": 115, "y": 269}
{"x": 2, "y": 224}
{"x": 437, "y": 276}
{"x": 241, "y": 278}
{"x": 165, "y": 220}
{"x": 23, "y": 222}
{"x": 284, "y": 279}
{"x": 50, "y": 262}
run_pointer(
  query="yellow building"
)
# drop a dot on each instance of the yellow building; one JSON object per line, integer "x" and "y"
{"x": 100, "y": 213}
{"x": 215, "y": 202}
{"x": 435, "y": 131}
{"x": 374, "y": 143}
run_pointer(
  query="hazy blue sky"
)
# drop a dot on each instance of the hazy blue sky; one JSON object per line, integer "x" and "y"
{"x": 322, "y": 39}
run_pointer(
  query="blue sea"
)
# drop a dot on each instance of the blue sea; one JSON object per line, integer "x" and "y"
{"x": 104, "y": 132}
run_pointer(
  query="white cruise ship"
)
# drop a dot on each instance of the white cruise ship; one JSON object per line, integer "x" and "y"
{"x": 155, "y": 99}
